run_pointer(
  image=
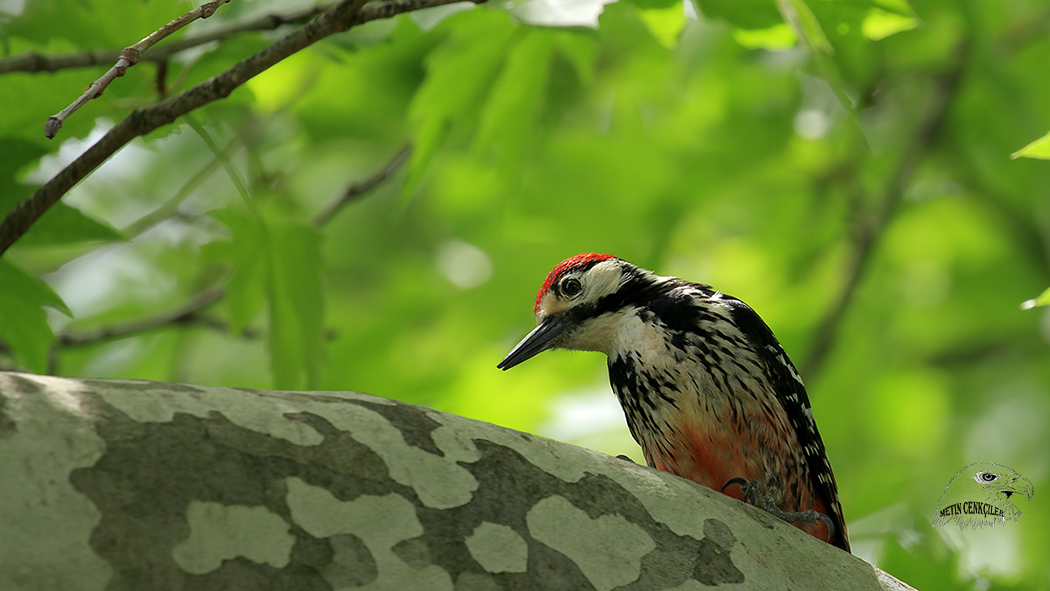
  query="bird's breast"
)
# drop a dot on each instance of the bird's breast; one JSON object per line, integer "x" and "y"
{"x": 697, "y": 415}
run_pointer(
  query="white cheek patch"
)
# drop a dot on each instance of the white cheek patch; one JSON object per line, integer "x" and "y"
{"x": 600, "y": 280}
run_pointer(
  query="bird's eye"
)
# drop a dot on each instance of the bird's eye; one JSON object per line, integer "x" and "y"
{"x": 571, "y": 287}
{"x": 987, "y": 476}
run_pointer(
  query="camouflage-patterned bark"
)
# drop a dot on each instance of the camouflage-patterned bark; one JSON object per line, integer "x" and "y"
{"x": 137, "y": 486}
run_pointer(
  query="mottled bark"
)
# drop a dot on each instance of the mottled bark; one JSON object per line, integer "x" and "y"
{"x": 137, "y": 486}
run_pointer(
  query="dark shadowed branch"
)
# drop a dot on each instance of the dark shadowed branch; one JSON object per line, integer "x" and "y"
{"x": 360, "y": 189}
{"x": 187, "y": 314}
{"x": 870, "y": 229}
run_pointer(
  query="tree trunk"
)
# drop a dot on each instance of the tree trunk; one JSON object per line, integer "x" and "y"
{"x": 131, "y": 485}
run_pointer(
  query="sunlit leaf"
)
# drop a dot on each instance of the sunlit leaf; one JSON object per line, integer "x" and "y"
{"x": 664, "y": 23}
{"x": 801, "y": 18}
{"x": 880, "y": 24}
{"x": 1040, "y": 149}
{"x": 1042, "y": 300}
{"x": 458, "y": 73}
{"x": 775, "y": 38}
{"x": 515, "y": 100}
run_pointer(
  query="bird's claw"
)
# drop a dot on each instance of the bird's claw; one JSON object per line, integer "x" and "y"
{"x": 744, "y": 484}
{"x": 751, "y": 496}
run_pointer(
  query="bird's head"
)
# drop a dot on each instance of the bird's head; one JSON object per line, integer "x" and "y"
{"x": 997, "y": 481}
{"x": 577, "y": 306}
{"x": 992, "y": 483}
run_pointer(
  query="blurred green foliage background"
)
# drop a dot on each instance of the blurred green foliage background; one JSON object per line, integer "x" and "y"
{"x": 849, "y": 176}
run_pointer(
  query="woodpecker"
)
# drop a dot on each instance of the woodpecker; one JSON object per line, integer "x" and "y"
{"x": 708, "y": 391}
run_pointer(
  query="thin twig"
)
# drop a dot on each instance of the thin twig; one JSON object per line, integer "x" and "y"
{"x": 188, "y": 313}
{"x": 169, "y": 208}
{"x": 36, "y": 62}
{"x": 868, "y": 234}
{"x": 129, "y": 56}
{"x": 145, "y": 120}
{"x": 337, "y": 18}
{"x": 358, "y": 190}
{"x": 223, "y": 159}
{"x": 33, "y": 62}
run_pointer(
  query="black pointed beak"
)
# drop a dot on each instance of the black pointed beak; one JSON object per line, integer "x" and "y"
{"x": 537, "y": 341}
{"x": 1022, "y": 485}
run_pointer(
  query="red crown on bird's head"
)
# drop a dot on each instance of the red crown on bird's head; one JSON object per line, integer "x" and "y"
{"x": 581, "y": 260}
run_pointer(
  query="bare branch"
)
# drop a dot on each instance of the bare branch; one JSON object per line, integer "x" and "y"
{"x": 143, "y": 121}
{"x": 170, "y": 207}
{"x": 36, "y": 62}
{"x": 186, "y": 314}
{"x": 129, "y": 56}
{"x": 358, "y": 190}
{"x": 33, "y": 62}
{"x": 337, "y": 18}
{"x": 869, "y": 232}
{"x": 190, "y": 313}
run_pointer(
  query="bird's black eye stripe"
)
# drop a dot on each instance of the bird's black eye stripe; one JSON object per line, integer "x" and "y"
{"x": 571, "y": 287}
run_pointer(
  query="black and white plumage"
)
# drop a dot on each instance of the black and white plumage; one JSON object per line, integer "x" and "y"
{"x": 707, "y": 390}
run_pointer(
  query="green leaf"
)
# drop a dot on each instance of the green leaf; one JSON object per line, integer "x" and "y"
{"x": 879, "y": 24}
{"x": 798, "y": 14}
{"x": 581, "y": 49}
{"x": 457, "y": 74}
{"x": 776, "y": 38}
{"x": 296, "y": 340}
{"x": 898, "y": 7}
{"x": 1040, "y": 149}
{"x": 15, "y": 155}
{"x": 509, "y": 114}
{"x": 746, "y": 14}
{"x": 246, "y": 289}
{"x": 664, "y": 23}
{"x": 658, "y": 4}
{"x": 61, "y": 224}
{"x": 23, "y": 323}
{"x": 281, "y": 266}
{"x": 1042, "y": 300}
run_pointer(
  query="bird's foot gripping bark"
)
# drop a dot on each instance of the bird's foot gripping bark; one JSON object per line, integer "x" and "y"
{"x": 753, "y": 495}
